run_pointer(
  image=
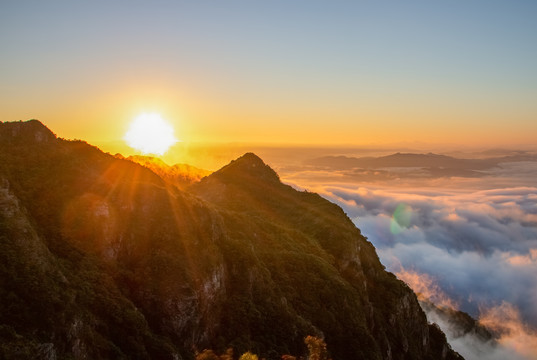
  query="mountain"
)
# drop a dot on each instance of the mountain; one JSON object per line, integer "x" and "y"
{"x": 101, "y": 258}
{"x": 410, "y": 166}
{"x": 458, "y": 323}
{"x": 180, "y": 175}
{"x": 430, "y": 161}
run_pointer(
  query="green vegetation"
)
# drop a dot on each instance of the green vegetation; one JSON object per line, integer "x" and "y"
{"x": 316, "y": 350}
{"x": 101, "y": 258}
{"x": 248, "y": 356}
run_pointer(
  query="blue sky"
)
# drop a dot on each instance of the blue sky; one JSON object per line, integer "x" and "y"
{"x": 234, "y": 69}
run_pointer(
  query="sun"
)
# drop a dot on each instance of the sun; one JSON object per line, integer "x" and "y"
{"x": 150, "y": 134}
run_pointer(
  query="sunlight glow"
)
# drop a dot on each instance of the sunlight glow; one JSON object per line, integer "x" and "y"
{"x": 150, "y": 134}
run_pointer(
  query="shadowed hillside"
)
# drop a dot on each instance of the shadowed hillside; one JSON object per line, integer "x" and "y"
{"x": 101, "y": 258}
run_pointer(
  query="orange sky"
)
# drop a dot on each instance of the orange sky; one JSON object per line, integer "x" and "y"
{"x": 303, "y": 73}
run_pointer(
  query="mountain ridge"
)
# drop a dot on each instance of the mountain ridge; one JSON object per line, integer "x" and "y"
{"x": 429, "y": 161}
{"x": 180, "y": 175}
{"x": 141, "y": 269}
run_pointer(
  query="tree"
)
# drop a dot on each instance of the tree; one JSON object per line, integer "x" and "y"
{"x": 316, "y": 348}
{"x": 248, "y": 356}
{"x": 288, "y": 357}
{"x": 228, "y": 355}
{"x": 207, "y": 355}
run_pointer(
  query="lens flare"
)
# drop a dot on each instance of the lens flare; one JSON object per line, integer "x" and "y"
{"x": 400, "y": 219}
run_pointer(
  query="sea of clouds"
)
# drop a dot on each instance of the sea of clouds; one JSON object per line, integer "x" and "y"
{"x": 474, "y": 239}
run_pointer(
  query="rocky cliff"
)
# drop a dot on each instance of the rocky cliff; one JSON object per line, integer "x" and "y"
{"x": 102, "y": 258}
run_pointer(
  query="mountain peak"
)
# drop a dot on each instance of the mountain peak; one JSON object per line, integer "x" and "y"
{"x": 27, "y": 131}
{"x": 180, "y": 175}
{"x": 254, "y": 254}
{"x": 249, "y": 159}
{"x": 249, "y": 165}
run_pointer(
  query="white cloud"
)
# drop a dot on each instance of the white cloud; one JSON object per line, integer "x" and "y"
{"x": 479, "y": 245}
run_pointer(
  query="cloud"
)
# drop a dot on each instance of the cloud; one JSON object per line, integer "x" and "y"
{"x": 482, "y": 221}
{"x": 478, "y": 243}
{"x": 513, "y": 338}
{"x": 523, "y": 260}
{"x": 481, "y": 251}
{"x": 426, "y": 288}
{"x": 513, "y": 346}
{"x": 514, "y": 334}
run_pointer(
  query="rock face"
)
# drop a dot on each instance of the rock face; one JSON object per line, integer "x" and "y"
{"x": 102, "y": 258}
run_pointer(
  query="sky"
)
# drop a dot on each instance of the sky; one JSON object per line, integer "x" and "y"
{"x": 388, "y": 75}
{"x": 280, "y": 72}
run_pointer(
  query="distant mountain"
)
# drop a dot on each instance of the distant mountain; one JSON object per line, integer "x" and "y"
{"x": 458, "y": 323}
{"x": 180, "y": 175}
{"x": 419, "y": 166}
{"x": 404, "y": 160}
{"x": 101, "y": 259}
